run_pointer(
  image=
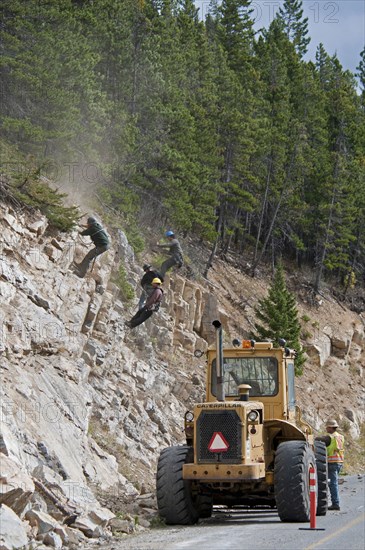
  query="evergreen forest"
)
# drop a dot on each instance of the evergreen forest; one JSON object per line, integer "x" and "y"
{"x": 208, "y": 127}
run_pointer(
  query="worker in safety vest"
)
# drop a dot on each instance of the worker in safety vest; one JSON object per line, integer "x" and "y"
{"x": 335, "y": 453}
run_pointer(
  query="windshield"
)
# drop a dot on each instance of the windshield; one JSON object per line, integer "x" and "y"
{"x": 260, "y": 372}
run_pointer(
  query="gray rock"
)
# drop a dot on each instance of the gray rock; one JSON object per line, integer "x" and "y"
{"x": 38, "y": 226}
{"x": 53, "y": 254}
{"x": 88, "y": 527}
{"x": 3, "y": 448}
{"x": 51, "y": 478}
{"x": 319, "y": 350}
{"x": 101, "y": 516}
{"x": 125, "y": 251}
{"x": 13, "y": 533}
{"x": 350, "y": 414}
{"x": 75, "y": 537}
{"x": 209, "y": 312}
{"x": 118, "y": 525}
{"x": 13, "y": 222}
{"x": 147, "y": 501}
{"x": 144, "y": 522}
{"x": 57, "y": 244}
{"x": 42, "y": 521}
{"x": 16, "y": 487}
{"x": 53, "y": 539}
{"x": 340, "y": 345}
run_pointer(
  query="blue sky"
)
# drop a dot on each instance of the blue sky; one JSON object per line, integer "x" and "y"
{"x": 339, "y": 25}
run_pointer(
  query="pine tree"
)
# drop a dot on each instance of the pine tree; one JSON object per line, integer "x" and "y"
{"x": 230, "y": 30}
{"x": 361, "y": 76}
{"x": 130, "y": 71}
{"x": 278, "y": 317}
{"x": 304, "y": 217}
{"x": 235, "y": 31}
{"x": 337, "y": 209}
{"x": 191, "y": 143}
{"x": 323, "y": 65}
{"x": 291, "y": 13}
{"x": 203, "y": 106}
{"x": 279, "y": 162}
{"x": 238, "y": 140}
{"x": 52, "y": 101}
{"x": 358, "y": 246}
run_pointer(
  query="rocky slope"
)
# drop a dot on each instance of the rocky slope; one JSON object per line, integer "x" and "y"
{"x": 86, "y": 406}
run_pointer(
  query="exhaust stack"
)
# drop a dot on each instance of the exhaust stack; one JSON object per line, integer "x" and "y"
{"x": 219, "y": 359}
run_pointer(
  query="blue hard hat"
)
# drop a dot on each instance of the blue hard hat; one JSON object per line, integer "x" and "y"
{"x": 169, "y": 234}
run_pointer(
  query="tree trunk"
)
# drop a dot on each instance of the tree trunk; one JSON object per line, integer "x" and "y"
{"x": 263, "y": 210}
{"x": 221, "y": 219}
{"x": 273, "y": 219}
{"x": 320, "y": 263}
{"x": 215, "y": 245}
{"x": 229, "y": 241}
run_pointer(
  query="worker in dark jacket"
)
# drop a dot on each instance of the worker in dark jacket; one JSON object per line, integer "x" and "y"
{"x": 175, "y": 253}
{"x": 146, "y": 283}
{"x": 153, "y": 303}
{"x": 101, "y": 241}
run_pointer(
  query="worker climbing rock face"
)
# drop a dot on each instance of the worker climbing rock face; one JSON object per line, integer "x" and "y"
{"x": 146, "y": 283}
{"x": 175, "y": 253}
{"x": 101, "y": 241}
{"x": 152, "y": 305}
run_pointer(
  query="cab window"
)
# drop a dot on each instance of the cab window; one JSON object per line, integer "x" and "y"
{"x": 260, "y": 372}
{"x": 291, "y": 386}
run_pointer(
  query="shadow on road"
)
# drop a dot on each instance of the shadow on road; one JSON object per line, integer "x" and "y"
{"x": 240, "y": 516}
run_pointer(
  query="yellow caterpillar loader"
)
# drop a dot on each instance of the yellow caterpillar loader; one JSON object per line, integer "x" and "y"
{"x": 246, "y": 444}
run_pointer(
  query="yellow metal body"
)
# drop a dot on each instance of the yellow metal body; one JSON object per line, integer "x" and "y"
{"x": 252, "y": 465}
{"x": 278, "y": 421}
{"x": 222, "y": 472}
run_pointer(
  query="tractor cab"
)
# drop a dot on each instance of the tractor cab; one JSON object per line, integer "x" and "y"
{"x": 269, "y": 372}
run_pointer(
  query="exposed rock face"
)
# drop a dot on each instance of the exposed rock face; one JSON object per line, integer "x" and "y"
{"x": 68, "y": 370}
{"x": 87, "y": 406}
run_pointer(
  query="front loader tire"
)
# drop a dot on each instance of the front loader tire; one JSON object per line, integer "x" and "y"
{"x": 322, "y": 477}
{"x": 174, "y": 496}
{"x": 291, "y": 479}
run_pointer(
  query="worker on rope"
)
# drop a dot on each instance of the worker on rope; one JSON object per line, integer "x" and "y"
{"x": 334, "y": 442}
{"x": 175, "y": 253}
{"x": 100, "y": 239}
{"x": 146, "y": 283}
{"x": 152, "y": 305}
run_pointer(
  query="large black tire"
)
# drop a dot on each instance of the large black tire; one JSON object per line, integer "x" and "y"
{"x": 174, "y": 497}
{"x": 291, "y": 479}
{"x": 322, "y": 477}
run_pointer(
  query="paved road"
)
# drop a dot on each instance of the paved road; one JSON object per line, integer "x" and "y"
{"x": 242, "y": 529}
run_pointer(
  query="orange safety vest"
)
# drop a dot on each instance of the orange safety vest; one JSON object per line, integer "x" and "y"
{"x": 335, "y": 450}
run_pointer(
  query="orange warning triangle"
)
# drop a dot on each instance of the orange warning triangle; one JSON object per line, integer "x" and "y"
{"x": 218, "y": 443}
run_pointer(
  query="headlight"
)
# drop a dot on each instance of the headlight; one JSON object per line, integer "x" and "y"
{"x": 253, "y": 416}
{"x": 189, "y": 416}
